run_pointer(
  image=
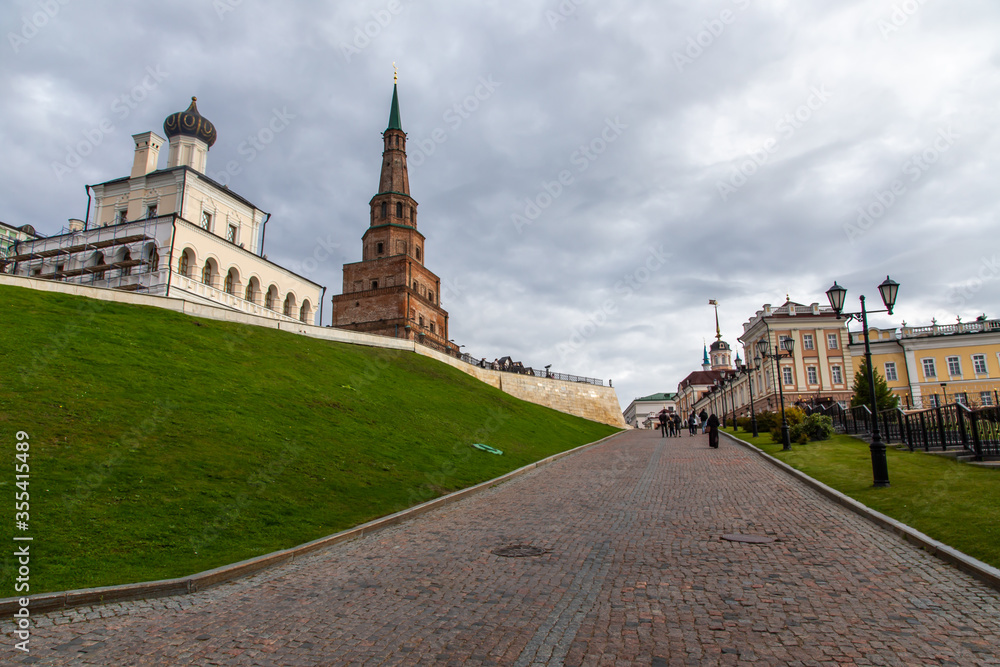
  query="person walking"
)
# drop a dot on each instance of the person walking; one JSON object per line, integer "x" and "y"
{"x": 703, "y": 416}
{"x": 677, "y": 425}
{"x": 713, "y": 431}
{"x": 662, "y": 417}
{"x": 692, "y": 423}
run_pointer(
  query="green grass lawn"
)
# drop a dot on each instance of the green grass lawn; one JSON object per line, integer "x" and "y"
{"x": 955, "y": 503}
{"x": 163, "y": 445}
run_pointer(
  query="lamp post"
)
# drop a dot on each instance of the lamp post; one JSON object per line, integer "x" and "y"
{"x": 887, "y": 290}
{"x": 783, "y": 349}
{"x": 749, "y": 370}
{"x": 944, "y": 394}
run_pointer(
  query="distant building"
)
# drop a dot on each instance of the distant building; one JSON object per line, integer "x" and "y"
{"x": 933, "y": 365}
{"x": 390, "y": 291}
{"x": 9, "y": 237}
{"x": 173, "y": 232}
{"x": 641, "y": 412}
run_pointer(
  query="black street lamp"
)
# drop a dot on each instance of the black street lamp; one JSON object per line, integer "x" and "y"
{"x": 888, "y": 290}
{"x": 783, "y": 349}
{"x": 944, "y": 394}
{"x": 749, "y": 370}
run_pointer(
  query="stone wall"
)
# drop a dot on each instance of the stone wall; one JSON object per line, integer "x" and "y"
{"x": 589, "y": 401}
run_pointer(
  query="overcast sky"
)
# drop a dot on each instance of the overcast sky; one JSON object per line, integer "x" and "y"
{"x": 589, "y": 174}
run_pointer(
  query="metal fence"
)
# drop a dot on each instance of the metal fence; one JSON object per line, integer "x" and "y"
{"x": 535, "y": 372}
{"x": 948, "y": 427}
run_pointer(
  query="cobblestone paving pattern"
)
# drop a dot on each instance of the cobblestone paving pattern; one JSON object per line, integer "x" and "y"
{"x": 636, "y": 574}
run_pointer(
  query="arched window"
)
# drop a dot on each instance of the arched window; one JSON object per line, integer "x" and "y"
{"x": 289, "y": 305}
{"x": 417, "y": 248}
{"x": 272, "y": 292}
{"x": 184, "y": 265}
{"x": 207, "y": 274}
{"x": 305, "y": 312}
{"x": 99, "y": 263}
{"x": 126, "y": 257}
{"x": 399, "y": 210}
{"x": 154, "y": 260}
{"x": 232, "y": 279}
{"x": 251, "y": 292}
{"x": 385, "y": 209}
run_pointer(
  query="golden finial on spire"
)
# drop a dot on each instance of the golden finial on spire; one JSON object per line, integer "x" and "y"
{"x": 395, "y": 74}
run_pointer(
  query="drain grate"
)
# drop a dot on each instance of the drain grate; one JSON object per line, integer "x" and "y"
{"x": 520, "y": 551}
{"x": 749, "y": 539}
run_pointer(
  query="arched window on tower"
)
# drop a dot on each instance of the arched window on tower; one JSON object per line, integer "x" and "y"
{"x": 417, "y": 248}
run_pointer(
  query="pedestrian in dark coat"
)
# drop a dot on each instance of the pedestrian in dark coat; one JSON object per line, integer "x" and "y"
{"x": 662, "y": 417}
{"x": 677, "y": 425}
{"x": 704, "y": 420}
{"x": 713, "y": 431}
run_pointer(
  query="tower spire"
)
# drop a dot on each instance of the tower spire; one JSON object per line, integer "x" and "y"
{"x": 394, "y": 123}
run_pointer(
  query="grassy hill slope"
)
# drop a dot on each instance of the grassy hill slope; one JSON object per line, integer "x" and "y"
{"x": 163, "y": 445}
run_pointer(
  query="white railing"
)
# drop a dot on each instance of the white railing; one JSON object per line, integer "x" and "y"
{"x": 220, "y": 296}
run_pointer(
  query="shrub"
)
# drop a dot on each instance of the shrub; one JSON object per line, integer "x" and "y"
{"x": 818, "y": 427}
{"x": 766, "y": 420}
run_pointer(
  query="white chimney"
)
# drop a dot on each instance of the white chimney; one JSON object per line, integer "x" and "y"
{"x": 147, "y": 153}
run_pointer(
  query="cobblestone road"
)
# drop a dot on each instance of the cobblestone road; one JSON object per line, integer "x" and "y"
{"x": 636, "y": 574}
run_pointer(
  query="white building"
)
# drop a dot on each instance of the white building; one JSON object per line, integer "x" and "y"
{"x": 173, "y": 232}
{"x": 642, "y": 412}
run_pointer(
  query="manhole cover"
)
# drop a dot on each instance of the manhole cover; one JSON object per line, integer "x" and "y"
{"x": 750, "y": 539}
{"x": 520, "y": 551}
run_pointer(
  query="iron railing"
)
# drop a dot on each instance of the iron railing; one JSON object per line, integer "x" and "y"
{"x": 527, "y": 370}
{"x": 948, "y": 427}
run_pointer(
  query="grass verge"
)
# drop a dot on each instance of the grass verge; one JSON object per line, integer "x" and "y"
{"x": 955, "y": 503}
{"x": 162, "y": 445}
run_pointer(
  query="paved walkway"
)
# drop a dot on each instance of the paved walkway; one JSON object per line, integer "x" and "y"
{"x": 636, "y": 574}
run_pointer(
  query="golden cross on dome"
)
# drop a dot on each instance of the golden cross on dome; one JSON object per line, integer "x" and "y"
{"x": 395, "y": 74}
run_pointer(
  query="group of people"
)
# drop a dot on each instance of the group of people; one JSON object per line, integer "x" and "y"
{"x": 670, "y": 424}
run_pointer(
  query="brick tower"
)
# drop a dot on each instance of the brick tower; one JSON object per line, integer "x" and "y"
{"x": 390, "y": 291}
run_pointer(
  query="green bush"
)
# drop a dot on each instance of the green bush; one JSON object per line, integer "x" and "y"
{"x": 766, "y": 420}
{"x": 818, "y": 427}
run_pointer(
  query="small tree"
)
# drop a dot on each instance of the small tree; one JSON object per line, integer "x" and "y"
{"x": 883, "y": 395}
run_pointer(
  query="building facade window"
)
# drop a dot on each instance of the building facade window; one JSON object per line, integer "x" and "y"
{"x": 930, "y": 371}
{"x": 269, "y": 299}
{"x": 126, "y": 257}
{"x": 399, "y": 210}
{"x": 248, "y": 294}
{"x": 418, "y": 252}
{"x": 831, "y": 341}
{"x": 151, "y": 211}
{"x": 890, "y": 371}
{"x": 786, "y": 375}
{"x": 432, "y": 327}
{"x": 206, "y": 221}
{"x": 289, "y": 304}
{"x": 121, "y": 216}
{"x": 811, "y": 375}
{"x": 986, "y": 398}
{"x": 183, "y": 266}
{"x": 430, "y": 296}
{"x": 807, "y": 342}
{"x": 154, "y": 260}
{"x": 979, "y": 364}
{"x": 231, "y": 233}
{"x": 934, "y": 400}
{"x": 206, "y": 273}
{"x": 379, "y": 248}
{"x": 421, "y": 321}
{"x": 228, "y": 284}
{"x": 384, "y": 209}
{"x": 837, "y": 374}
{"x": 954, "y": 366}
{"x": 962, "y": 397}
{"x": 374, "y": 284}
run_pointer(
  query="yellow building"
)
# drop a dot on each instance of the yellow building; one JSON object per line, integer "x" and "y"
{"x": 937, "y": 364}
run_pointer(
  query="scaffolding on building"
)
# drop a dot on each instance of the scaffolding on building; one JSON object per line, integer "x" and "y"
{"x": 73, "y": 242}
